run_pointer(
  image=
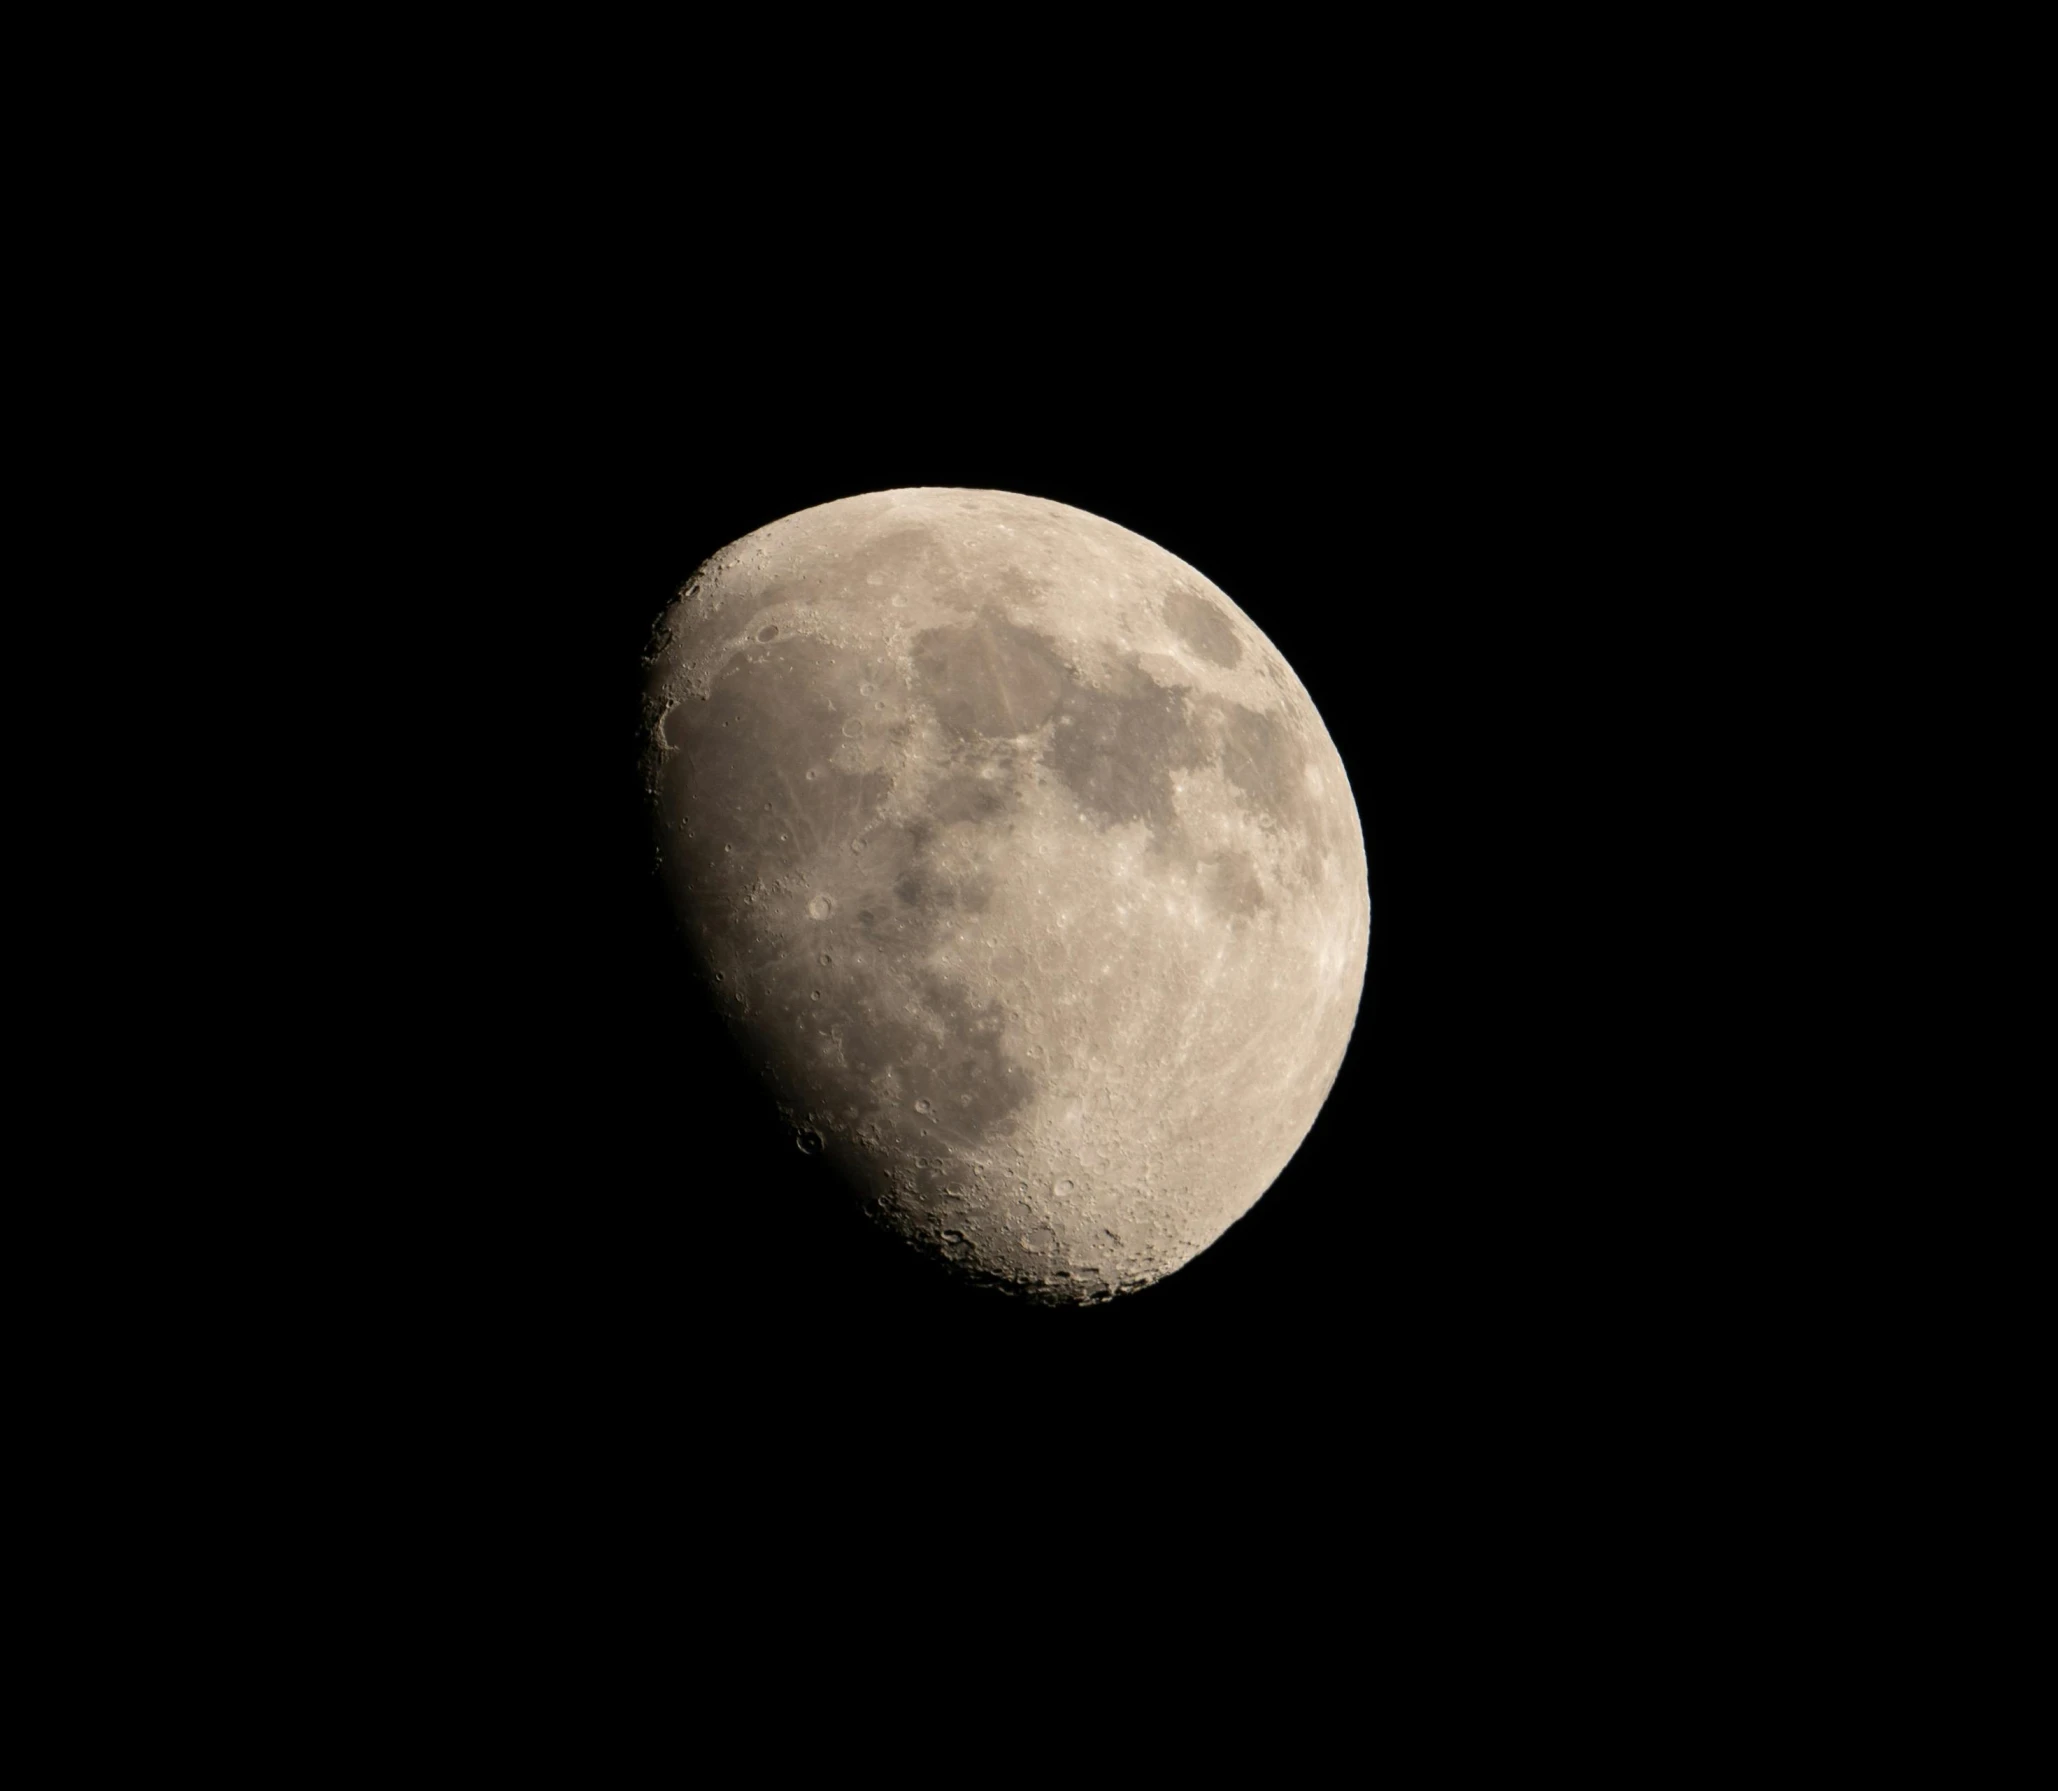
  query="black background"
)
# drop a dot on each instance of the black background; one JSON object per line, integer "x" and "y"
{"x": 1479, "y": 434}
{"x": 1436, "y": 414}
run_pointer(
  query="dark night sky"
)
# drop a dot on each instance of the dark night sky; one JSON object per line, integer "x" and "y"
{"x": 535, "y": 1275}
{"x": 1481, "y": 441}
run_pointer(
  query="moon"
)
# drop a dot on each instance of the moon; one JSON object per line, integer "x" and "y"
{"x": 1021, "y": 866}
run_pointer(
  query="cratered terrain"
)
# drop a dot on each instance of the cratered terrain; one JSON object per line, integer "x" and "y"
{"x": 1022, "y": 868}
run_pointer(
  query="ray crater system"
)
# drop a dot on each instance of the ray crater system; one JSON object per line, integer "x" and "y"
{"x": 1021, "y": 866}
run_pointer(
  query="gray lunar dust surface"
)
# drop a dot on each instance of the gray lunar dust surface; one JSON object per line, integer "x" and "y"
{"x": 1020, "y": 864}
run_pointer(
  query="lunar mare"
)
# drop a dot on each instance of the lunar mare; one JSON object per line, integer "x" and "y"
{"x": 1020, "y": 864}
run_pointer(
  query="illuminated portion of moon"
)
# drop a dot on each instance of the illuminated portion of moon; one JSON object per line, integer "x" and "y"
{"x": 1021, "y": 865}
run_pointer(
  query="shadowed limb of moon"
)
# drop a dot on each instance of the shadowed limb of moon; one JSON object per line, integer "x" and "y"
{"x": 1022, "y": 865}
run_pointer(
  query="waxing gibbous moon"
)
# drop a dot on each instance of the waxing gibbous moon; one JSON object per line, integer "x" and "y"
{"x": 1020, "y": 864}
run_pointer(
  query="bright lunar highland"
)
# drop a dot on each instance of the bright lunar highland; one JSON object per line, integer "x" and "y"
{"x": 1022, "y": 868}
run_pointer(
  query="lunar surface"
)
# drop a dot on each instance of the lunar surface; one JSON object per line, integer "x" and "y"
{"x": 1021, "y": 866}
